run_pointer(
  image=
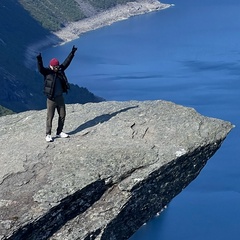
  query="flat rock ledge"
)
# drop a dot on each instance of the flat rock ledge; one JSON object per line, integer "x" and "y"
{"x": 123, "y": 163}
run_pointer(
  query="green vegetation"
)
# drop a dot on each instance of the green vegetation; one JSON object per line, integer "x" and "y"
{"x": 105, "y": 4}
{"x": 53, "y": 15}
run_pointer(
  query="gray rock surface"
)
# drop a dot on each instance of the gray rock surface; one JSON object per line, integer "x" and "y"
{"x": 123, "y": 163}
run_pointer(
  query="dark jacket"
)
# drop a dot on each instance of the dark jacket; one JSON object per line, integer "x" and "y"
{"x": 50, "y": 76}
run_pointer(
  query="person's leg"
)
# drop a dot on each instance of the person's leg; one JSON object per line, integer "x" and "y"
{"x": 61, "y": 109}
{"x": 50, "y": 114}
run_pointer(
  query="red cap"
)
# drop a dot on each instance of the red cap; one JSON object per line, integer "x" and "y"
{"x": 54, "y": 62}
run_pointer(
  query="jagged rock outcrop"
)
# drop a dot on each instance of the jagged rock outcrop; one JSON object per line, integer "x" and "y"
{"x": 123, "y": 162}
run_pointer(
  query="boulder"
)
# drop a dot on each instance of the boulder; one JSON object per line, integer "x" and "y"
{"x": 122, "y": 164}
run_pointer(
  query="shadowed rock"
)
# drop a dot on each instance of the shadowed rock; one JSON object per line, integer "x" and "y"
{"x": 123, "y": 163}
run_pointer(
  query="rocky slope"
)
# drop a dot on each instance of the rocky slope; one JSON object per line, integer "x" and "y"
{"x": 123, "y": 163}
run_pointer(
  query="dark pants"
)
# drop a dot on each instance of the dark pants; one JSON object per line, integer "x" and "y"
{"x": 57, "y": 103}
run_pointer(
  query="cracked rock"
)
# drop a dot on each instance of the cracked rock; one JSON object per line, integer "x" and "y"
{"x": 123, "y": 163}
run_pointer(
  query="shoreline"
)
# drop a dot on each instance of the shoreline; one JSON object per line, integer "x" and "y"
{"x": 74, "y": 29}
{"x": 106, "y": 18}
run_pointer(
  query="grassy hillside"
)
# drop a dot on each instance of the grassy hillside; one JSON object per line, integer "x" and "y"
{"x": 105, "y": 4}
{"x": 53, "y": 14}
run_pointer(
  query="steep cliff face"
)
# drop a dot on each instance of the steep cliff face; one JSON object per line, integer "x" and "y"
{"x": 21, "y": 85}
{"x": 15, "y": 34}
{"x": 26, "y": 29}
{"x": 123, "y": 163}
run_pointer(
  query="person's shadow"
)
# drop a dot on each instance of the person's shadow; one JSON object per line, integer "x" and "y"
{"x": 99, "y": 119}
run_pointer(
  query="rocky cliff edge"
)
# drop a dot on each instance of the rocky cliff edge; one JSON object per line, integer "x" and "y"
{"x": 123, "y": 163}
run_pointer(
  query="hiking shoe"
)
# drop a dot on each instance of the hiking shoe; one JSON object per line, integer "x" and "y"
{"x": 62, "y": 135}
{"x": 49, "y": 138}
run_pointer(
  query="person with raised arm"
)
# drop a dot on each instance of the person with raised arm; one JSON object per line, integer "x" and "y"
{"x": 55, "y": 84}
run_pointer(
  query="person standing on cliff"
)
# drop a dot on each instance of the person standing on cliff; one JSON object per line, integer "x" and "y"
{"x": 55, "y": 84}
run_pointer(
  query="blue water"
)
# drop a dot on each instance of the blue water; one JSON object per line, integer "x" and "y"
{"x": 188, "y": 54}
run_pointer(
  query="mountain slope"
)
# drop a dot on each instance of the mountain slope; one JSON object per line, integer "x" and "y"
{"x": 55, "y": 14}
{"x": 21, "y": 87}
{"x": 27, "y": 27}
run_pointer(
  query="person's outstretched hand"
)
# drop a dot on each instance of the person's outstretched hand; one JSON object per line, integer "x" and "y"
{"x": 39, "y": 56}
{"x": 74, "y": 49}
